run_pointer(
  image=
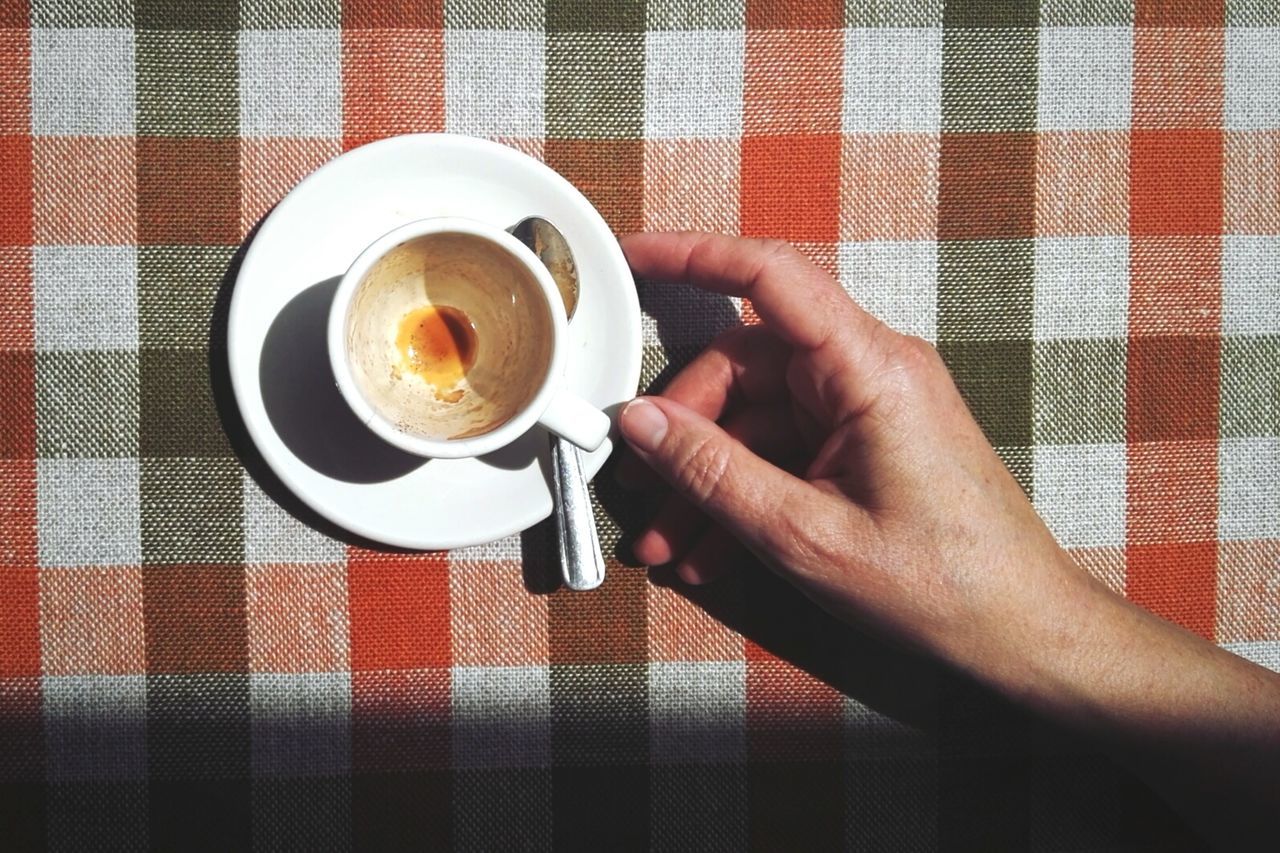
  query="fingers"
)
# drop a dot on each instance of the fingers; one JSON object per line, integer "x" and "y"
{"x": 747, "y": 362}
{"x": 797, "y": 300}
{"x": 671, "y": 534}
{"x": 716, "y": 473}
{"x": 768, "y": 432}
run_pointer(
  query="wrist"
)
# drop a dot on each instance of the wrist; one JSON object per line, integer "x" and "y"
{"x": 1047, "y": 637}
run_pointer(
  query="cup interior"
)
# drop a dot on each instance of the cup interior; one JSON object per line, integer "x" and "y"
{"x": 448, "y": 336}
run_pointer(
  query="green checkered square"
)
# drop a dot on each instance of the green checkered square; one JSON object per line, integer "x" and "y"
{"x": 599, "y": 714}
{"x": 986, "y": 289}
{"x": 1086, "y": 13}
{"x": 179, "y": 416}
{"x": 284, "y": 14}
{"x": 191, "y": 511}
{"x": 186, "y": 15}
{"x": 991, "y": 13}
{"x": 994, "y": 377}
{"x": 100, "y": 13}
{"x": 687, "y": 15}
{"x": 1253, "y": 13}
{"x": 989, "y": 79}
{"x": 1080, "y": 391}
{"x": 591, "y": 16}
{"x": 187, "y": 84}
{"x": 488, "y": 15}
{"x": 1250, "y": 390}
{"x": 177, "y": 288}
{"x": 87, "y": 403}
{"x": 595, "y": 85}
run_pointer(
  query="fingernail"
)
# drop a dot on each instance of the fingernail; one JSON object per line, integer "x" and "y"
{"x": 643, "y": 424}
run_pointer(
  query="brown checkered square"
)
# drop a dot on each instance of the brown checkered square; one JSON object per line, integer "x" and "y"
{"x": 188, "y": 191}
{"x": 195, "y": 618}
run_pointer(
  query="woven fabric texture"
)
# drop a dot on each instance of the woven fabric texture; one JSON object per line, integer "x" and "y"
{"x": 1077, "y": 200}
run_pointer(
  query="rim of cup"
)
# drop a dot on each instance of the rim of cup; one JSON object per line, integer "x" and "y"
{"x": 449, "y": 448}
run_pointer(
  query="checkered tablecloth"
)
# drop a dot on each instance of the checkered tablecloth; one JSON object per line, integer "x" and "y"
{"x": 1078, "y": 200}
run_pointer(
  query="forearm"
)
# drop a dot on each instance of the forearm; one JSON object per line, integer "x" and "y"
{"x": 1200, "y": 725}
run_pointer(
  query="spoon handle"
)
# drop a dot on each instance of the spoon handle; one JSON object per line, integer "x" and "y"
{"x": 581, "y": 562}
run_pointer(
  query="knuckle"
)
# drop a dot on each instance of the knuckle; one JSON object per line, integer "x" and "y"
{"x": 702, "y": 466}
{"x": 776, "y": 250}
{"x": 918, "y": 355}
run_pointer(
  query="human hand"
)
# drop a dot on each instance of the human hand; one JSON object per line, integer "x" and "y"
{"x": 845, "y": 459}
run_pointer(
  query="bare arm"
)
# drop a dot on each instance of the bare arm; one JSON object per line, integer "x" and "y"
{"x": 842, "y": 455}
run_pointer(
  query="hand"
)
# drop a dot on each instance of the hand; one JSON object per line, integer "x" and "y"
{"x": 842, "y": 455}
{"x": 847, "y": 461}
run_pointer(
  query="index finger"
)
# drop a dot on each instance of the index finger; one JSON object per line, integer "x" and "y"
{"x": 797, "y": 300}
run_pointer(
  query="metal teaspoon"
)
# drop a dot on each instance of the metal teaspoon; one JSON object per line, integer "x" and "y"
{"x": 581, "y": 563}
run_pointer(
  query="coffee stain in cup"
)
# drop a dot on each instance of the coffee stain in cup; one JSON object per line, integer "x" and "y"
{"x": 438, "y": 343}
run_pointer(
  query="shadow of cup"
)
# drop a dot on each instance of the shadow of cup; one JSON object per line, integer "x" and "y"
{"x": 303, "y": 402}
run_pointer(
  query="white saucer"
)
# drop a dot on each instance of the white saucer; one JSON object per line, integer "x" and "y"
{"x": 289, "y": 403}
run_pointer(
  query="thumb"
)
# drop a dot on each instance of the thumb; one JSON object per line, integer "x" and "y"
{"x": 716, "y": 472}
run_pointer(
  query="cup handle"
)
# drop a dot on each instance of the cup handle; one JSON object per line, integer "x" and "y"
{"x": 576, "y": 421}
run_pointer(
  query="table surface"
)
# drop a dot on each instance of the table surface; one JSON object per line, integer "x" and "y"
{"x": 1079, "y": 202}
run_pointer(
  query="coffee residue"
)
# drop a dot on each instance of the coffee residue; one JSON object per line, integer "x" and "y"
{"x": 438, "y": 343}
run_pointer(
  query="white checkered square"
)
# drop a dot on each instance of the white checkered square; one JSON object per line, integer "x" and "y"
{"x": 1252, "y": 78}
{"x": 272, "y": 535}
{"x": 1086, "y": 78}
{"x": 82, "y": 82}
{"x": 1082, "y": 288}
{"x": 1079, "y": 491}
{"x": 870, "y": 735}
{"x": 892, "y": 80}
{"x": 493, "y": 82}
{"x": 697, "y": 712}
{"x": 693, "y": 83}
{"x": 1262, "y": 652}
{"x": 87, "y": 512}
{"x": 894, "y": 281}
{"x": 506, "y": 550}
{"x": 95, "y": 727}
{"x": 290, "y": 83}
{"x": 301, "y": 723}
{"x": 86, "y": 297}
{"x": 501, "y": 716}
{"x": 1249, "y": 488}
{"x": 1250, "y": 285}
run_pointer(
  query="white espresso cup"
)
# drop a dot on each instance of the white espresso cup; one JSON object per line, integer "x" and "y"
{"x": 448, "y": 338}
